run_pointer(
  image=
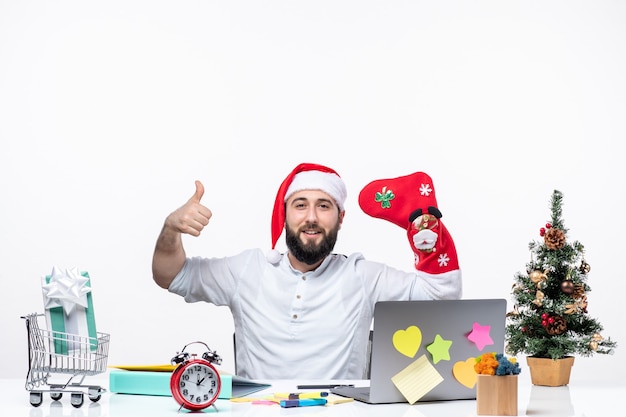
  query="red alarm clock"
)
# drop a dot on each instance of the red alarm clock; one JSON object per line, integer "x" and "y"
{"x": 195, "y": 383}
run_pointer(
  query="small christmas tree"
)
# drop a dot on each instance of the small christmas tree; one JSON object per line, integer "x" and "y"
{"x": 550, "y": 317}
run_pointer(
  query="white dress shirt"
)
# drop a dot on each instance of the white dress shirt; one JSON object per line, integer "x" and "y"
{"x": 294, "y": 325}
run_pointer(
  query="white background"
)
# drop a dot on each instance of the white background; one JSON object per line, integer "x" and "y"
{"x": 110, "y": 110}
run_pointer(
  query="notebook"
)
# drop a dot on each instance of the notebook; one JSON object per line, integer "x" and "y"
{"x": 155, "y": 380}
{"x": 425, "y": 350}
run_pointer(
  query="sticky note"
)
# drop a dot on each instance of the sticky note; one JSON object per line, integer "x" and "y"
{"x": 480, "y": 336}
{"x": 417, "y": 379}
{"x": 408, "y": 341}
{"x": 464, "y": 372}
{"x": 440, "y": 349}
{"x": 332, "y": 399}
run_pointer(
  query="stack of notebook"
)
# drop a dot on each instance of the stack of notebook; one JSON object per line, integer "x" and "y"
{"x": 155, "y": 380}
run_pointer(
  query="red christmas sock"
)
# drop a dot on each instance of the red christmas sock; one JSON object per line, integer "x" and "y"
{"x": 409, "y": 202}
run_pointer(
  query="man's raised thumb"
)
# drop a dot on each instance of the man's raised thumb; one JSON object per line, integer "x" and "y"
{"x": 199, "y": 192}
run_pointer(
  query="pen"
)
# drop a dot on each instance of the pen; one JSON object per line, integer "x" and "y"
{"x": 298, "y": 395}
{"x": 323, "y": 386}
{"x": 306, "y": 402}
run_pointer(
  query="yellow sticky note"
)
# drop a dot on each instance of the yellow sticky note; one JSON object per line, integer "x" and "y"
{"x": 332, "y": 399}
{"x": 417, "y": 379}
{"x": 407, "y": 341}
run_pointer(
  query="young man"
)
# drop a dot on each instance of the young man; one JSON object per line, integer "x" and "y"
{"x": 304, "y": 314}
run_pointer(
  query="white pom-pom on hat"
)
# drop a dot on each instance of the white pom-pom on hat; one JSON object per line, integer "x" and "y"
{"x": 273, "y": 256}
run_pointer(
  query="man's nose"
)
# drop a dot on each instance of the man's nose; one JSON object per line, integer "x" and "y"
{"x": 311, "y": 215}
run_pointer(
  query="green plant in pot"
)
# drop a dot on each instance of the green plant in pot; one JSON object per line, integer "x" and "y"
{"x": 550, "y": 321}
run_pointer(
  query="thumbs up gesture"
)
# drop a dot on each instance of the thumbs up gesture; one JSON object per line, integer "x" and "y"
{"x": 192, "y": 216}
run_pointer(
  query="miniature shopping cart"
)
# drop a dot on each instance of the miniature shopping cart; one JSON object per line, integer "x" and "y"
{"x": 52, "y": 352}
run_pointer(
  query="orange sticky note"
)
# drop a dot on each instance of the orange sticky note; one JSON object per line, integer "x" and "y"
{"x": 464, "y": 372}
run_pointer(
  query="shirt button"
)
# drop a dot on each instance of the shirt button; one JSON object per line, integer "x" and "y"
{"x": 303, "y": 277}
{"x": 295, "y": 316}
{"x": 298, "y": 296}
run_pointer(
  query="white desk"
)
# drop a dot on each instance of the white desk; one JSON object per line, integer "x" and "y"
{"x": 577, "y": 399}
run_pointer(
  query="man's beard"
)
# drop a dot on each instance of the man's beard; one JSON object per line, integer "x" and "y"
{"x": 311, "y": 253}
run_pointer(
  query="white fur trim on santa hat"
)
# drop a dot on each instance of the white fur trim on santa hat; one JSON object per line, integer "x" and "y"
{"x": 327, "y": 182}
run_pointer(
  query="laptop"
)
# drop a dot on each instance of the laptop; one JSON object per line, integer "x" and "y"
{"x": 410, "y": 338}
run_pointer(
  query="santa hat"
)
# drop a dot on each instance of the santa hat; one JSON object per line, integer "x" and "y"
{"x": 304, "y": 177}
{"x": 400, "y": 200}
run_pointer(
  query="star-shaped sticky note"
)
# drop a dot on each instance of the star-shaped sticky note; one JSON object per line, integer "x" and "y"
{"x": 440, "y": 349}
{"x": 480, "y": 336}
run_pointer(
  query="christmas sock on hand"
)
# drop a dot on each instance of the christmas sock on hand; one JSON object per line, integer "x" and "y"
{"x": 409, "y": 202}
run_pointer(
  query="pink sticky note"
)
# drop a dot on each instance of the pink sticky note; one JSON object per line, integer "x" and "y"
{"x": 264, "y": 402}
{"x": 480, "y": 336}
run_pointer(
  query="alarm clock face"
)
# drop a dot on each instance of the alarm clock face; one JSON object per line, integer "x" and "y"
{"x": 195, "y": 385}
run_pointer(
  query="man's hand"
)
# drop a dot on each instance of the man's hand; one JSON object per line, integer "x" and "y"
{"x": 169, "y": 255}
{"x": 192, "y": 217}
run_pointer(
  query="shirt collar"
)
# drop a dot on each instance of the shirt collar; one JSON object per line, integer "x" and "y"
{"x": 285, "y": 264}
